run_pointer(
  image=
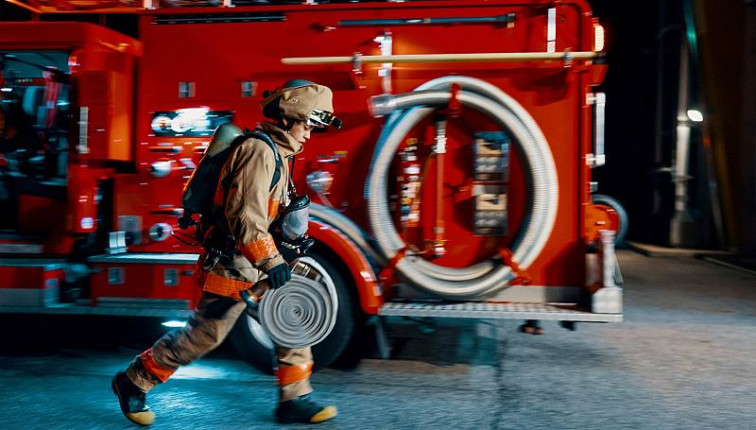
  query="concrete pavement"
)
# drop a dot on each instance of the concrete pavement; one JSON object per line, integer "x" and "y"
{"x": 685, "y": 358}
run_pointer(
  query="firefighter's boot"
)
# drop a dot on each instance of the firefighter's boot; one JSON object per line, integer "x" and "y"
{"x": 303, "y": 410}
{"x": 132, "y": 400}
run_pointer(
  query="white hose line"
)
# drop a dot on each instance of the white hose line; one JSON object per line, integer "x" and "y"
{"x": 536, "y": 156}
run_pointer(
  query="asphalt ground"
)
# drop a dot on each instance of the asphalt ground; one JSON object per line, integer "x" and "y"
{"x": 684, "y": 358}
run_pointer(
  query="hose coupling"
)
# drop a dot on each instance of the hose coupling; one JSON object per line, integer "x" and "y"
{"x": 382, "y": 105}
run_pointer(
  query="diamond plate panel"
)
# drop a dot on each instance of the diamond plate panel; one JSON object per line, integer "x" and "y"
{"x": 482, "y": 310}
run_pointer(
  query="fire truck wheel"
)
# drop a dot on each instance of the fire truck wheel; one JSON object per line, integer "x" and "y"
{"x": 624, "y": 219}
{"x": 254, "y": 346}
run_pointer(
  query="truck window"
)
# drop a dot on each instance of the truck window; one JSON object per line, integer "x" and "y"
{"x": 34, "y": 127}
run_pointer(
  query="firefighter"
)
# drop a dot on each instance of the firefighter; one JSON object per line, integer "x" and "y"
{"x": 247, "y": 202}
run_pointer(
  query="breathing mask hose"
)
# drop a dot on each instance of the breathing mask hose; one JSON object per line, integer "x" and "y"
{"x": 407, "y": 110}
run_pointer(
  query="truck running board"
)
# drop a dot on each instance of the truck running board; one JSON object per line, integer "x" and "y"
{"x": 481, "y": 310}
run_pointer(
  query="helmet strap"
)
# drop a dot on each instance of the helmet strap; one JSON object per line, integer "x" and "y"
{"x": 285, "y": 123}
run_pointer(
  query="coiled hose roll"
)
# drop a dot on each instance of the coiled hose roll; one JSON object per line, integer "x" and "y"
{"x": 407, "y": 110}
{"x": 302, "y": 312}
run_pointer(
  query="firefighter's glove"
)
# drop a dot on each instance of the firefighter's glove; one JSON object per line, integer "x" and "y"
{"x": 279, "y": 275}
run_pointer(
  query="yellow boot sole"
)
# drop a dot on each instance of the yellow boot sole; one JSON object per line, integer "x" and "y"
{"x": 141, "y": 418}
{"x": 326, "y": 414}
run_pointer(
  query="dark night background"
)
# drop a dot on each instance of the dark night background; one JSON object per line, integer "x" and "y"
{"x": 644, "y": 39}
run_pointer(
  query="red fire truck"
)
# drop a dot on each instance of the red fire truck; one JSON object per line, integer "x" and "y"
{"x": 460, "y": 185}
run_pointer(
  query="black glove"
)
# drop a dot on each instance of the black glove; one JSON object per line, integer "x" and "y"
{"x": 279, "y": 275}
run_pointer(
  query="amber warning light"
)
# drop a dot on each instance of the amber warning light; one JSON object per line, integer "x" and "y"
{"x": 598, "y": 37}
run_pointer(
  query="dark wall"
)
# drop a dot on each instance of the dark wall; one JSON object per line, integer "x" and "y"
{"x": 747, "y": 166}
{"x": 643, "y": 43}
{"x": 642, "y": 85}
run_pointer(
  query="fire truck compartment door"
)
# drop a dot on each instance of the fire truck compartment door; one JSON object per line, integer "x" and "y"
{"x": 105, "y": 113}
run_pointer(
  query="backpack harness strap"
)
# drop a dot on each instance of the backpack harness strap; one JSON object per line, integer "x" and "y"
{"x": 261, "y": 135}
{"x": 224, "y": 247}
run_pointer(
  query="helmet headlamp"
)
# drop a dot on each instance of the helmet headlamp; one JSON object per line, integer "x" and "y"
{"x": 321, "y": 119}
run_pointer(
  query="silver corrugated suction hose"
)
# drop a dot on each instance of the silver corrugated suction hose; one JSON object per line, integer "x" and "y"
{"x": 407, "y": 110}
{"x": 302, "y": 312}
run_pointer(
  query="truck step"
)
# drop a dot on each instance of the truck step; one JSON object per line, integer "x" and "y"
{"x": 484, "y": 310}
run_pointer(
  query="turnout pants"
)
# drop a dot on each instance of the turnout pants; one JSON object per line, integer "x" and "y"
{"x": 213, "y": 319}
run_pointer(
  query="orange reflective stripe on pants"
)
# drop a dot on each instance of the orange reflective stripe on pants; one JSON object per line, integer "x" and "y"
{"x": 290, "y": 374}
{"x": 155, "y": 369}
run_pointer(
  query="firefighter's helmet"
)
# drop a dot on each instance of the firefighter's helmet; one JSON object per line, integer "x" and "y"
{"x": 301, "y": 100}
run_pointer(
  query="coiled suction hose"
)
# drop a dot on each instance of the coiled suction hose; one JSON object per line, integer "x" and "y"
{"x": 407, "y": 110}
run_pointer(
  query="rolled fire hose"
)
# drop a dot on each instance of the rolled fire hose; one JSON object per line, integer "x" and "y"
{"x": 303, "y": 312}
{"x": 407, "y": 110}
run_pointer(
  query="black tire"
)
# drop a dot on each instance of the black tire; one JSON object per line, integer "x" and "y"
{"x": 624, "y": 219}
{"x": 250, "y": 348}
